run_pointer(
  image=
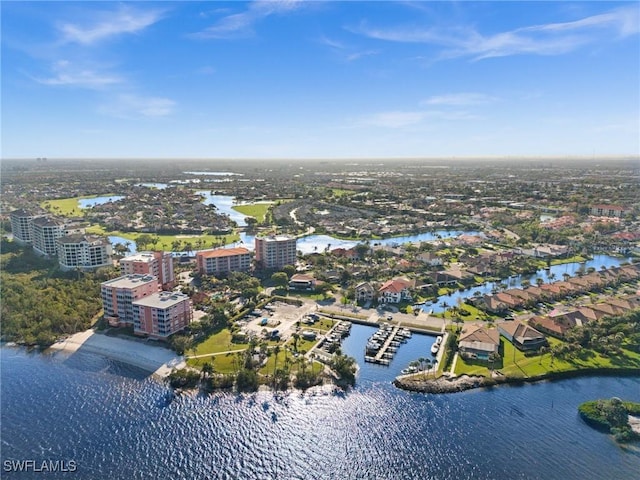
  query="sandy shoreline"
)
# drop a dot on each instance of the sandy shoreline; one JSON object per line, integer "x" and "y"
{"x": 152, "y": 358}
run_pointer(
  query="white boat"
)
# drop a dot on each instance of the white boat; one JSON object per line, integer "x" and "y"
{"x": 439, "y": 340}
{"x": 434, "y": 348}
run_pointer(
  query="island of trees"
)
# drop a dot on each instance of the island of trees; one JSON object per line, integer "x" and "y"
{"x": 612, "y": 416}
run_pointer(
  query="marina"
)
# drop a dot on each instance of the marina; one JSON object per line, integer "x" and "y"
{"x": 383, "y": 344}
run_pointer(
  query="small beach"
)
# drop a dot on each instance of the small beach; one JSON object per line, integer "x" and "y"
{"x": 152, "y": 358}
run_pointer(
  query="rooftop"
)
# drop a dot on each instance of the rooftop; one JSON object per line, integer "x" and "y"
{"x": 130, "y": 281}
{"x": 222, "y": 252}
{"x": 161, "y": 300}
{"x": 79, "y": 238}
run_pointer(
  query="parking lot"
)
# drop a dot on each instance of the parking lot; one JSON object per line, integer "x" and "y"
{"x": 277, "y": 316}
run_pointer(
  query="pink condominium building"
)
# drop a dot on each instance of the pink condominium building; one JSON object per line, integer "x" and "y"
{"x": 161, "y": 314}
{"x": 158, "y": 264}
{"x": 119, "y": 294}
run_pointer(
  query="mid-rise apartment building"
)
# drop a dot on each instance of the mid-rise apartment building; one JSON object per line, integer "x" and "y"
{"x": 275, "y": 251}
{"x": 21, "y": 225}
{"x": 119, "y": 294}
{"x": 158, "y": 264}
{"x": 45, "y": 232}
{"x": 223, "y": 260}
{"x": 85, "y": 252}
{"x": 161, "y": 314}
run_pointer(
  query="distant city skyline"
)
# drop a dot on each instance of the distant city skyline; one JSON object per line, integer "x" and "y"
{"x": 330, "y": 80}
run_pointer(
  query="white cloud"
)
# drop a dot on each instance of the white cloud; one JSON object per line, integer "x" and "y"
{"x": 129, "y": 105}
{"x": 346, "y": 52}
{"x": 545, "y": 39}
{"x": 109, "y": 24}
{"x": 67, "y": 74}
{"x": 460, "y": 99}
{"x": 396, "y": 119}
{"x": 393, "y": 119}
{"x": 239, "y": 25}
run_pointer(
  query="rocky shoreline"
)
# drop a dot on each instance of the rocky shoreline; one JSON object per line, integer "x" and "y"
{"x": 453, "y": 384}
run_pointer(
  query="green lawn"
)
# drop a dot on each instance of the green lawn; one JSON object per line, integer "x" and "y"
{"x": 218, "y": 342}
{"x": 165, "y": 241}
{"x": 255, "y": 210}
{"x": 223, "y": 363}
{"x": 68, "y": 207}
{"x": 515, "y": 364}
{"x": 303, "y": 345}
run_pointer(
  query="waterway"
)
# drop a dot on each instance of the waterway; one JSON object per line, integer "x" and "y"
{"x": 553, "y": 274}
{"x": 92, "y": 202}
{"x": 115, "y": 422}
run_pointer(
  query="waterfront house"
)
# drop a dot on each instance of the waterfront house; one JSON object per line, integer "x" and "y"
{"x": 522, "y": 335}
{"x": 477, "y": 342}
{"x": 394, "y": 291}
{"x": 509, "y": 300}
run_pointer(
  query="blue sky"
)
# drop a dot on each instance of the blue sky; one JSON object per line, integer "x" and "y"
{"x": 292, "y": 79}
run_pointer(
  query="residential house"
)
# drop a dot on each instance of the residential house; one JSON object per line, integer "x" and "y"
{"x": 300, "y": 281}
{"x": 478, "y": 342}
{"x": 522, "y": 335}
{"x": 394, "y": 291}
{"x": 430, "y": 259}
{"x": 365, "y": 292}
{"x": 607, "y": 211}
{"x": 509, "y": 300}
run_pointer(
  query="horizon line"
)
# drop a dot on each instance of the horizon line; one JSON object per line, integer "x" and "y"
{"x": 335, "y": 159}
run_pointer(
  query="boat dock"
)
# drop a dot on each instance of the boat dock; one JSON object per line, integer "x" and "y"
{"x": 391, "y": 337}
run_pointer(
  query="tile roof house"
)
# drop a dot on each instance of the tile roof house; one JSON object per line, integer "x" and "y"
{"x": 522, "y": 335}
{"x": 478, "y": 342}
{"x": 509, "y": 300}
{"x": 394, "y": 291}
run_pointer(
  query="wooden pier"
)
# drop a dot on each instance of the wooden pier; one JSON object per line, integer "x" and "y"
{"x": 386, "y": 344}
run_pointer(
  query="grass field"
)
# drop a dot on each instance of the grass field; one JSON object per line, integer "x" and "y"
{"x": 216, "y": 343}
{"x": 165, "y": 241}
{"x": 224, "y": 363}
{"x": 255, "y": 210}
{"x": 67, "y": 207}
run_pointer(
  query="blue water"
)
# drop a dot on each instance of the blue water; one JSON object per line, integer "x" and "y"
{"x": 224, "y": 204}
{"x": 92, "y": 202}
{"x": 116, "y": 423}
{"x": 159, "y": 186}
{"x": 115, "y": 239}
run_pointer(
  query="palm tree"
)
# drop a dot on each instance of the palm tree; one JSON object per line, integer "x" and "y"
{"x": 207, "y": 368}
{"x": 427, "y": 367}
{"x": 276, "y": 351}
